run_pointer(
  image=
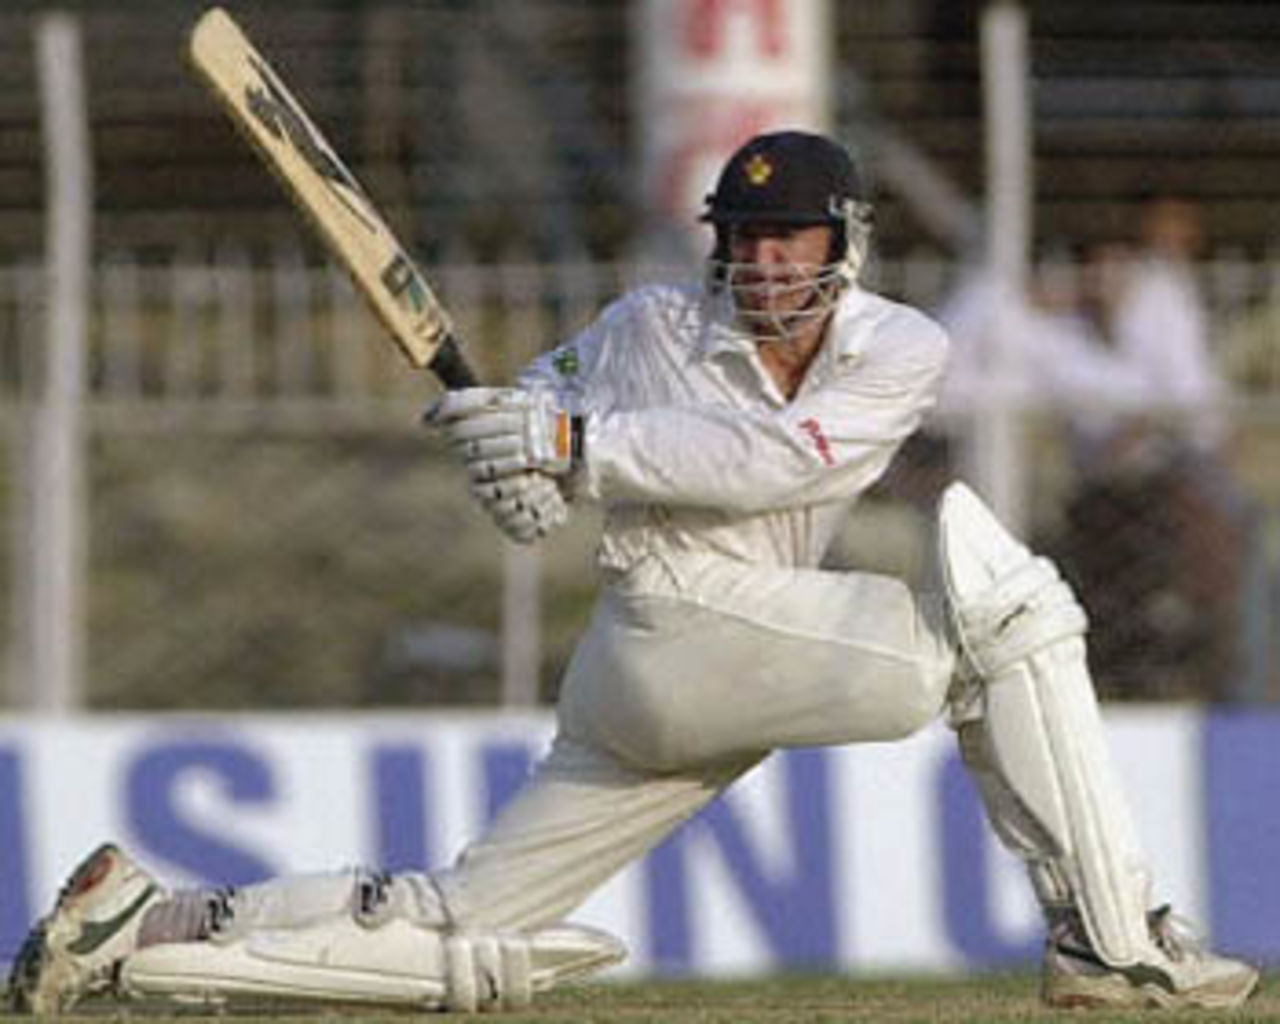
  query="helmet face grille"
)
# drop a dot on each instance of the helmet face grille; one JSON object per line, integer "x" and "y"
{"x": 763, "y": 297}
{"x": 785, "y": 177}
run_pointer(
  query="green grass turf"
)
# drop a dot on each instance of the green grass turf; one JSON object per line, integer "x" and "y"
{"x": 793, "y": 999}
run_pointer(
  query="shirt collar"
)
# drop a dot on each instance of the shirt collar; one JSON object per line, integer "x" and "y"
{"x": 720, "y": 332}
{"x": 845, "y": 340}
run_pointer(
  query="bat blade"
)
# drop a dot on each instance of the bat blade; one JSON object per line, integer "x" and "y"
{"x": 267, "y": 114}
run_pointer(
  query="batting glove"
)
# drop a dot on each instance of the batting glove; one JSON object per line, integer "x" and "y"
{"x": 525, "y": 506}
{"x": 499, "y": 432}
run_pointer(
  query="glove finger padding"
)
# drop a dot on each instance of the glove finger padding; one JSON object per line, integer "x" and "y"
{"x": 481, "y": 449}
{"x": 489, "y": 493}
{"x": 544, "y": 519}
{"x": 487, "y": 470}
{"x": 525, "y": 506}
{"x": 530, "y": 487}
{"x": 523, "y": 526}
{"x": 484, "y": 425}
{"x": 458, "y": 405}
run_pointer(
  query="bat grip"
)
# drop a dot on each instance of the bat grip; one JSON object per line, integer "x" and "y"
{"x": 451, "y": 366}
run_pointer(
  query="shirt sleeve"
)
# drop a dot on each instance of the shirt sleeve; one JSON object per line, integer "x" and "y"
{"x": 830, "y": 444}
{"x": 572, "y": 370}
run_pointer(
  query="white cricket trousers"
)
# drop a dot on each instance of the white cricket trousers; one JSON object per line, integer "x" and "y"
{"x": 684, "y": 680}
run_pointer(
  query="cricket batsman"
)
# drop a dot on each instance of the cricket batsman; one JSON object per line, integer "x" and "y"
{"x": 727, "y": 426}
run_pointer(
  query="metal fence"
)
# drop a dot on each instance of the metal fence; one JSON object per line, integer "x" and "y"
{"x": 267, "y": 526}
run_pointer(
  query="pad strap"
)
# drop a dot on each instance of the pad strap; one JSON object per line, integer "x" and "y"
{"x": 1024, "y": 611}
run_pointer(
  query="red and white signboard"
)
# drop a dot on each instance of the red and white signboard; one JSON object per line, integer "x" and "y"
{"x": 712, "y": 73}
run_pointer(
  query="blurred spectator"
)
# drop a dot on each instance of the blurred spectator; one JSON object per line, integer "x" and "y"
{"x": 1054, "y": 349}
{"x": 1158, "y": 326}
{"x": 1051, "y": 355}
{"x": 1155, "y": 532}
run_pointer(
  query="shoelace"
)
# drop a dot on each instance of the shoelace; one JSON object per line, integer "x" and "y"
{"x": 1173, "y": 934}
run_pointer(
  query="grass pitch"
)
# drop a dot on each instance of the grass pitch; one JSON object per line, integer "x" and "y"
{"x": 1012, "y": 997}
{"x": 824, "y": 998}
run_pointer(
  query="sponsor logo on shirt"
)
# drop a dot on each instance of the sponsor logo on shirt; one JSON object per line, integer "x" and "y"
{"x": 814, "y": 429}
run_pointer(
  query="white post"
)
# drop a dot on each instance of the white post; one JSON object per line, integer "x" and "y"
{"x": 53, "y": 540}
{"x": 998, "y": 456}
{"x": 521, "y": 623}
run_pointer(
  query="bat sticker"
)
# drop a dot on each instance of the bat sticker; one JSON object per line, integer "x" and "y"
{"x": 274, "y": 109}
{"x": 323, "y": 188}
{"x": 405, "y": 283}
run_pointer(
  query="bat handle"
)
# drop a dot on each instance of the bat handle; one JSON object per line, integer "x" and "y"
{"x": 451, "y": 366}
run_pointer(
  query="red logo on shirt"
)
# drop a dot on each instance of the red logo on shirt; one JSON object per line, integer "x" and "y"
{"x": 814, "y": 429}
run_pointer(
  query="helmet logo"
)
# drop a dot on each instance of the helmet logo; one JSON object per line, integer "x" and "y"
{"x": 758, "y": 170}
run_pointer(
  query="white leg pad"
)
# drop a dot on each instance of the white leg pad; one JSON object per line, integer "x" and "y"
{"x": 461, "y": 970}
{"x": 1038, "y": 747}
{"x": 399, "y": 964}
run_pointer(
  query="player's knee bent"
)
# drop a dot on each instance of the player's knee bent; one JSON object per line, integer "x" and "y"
{"x": 920, "y": 697}
{"x": 1006, "y": 603}
{"x": 1025, "y": 611}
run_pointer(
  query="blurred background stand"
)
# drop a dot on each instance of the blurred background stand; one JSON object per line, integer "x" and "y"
{"x": 259, "y": 516}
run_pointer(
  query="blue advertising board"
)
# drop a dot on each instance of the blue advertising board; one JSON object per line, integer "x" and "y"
{"x": 875, "y": 857}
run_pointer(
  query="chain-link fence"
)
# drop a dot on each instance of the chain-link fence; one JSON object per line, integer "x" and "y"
{"x": 267, "y": 526}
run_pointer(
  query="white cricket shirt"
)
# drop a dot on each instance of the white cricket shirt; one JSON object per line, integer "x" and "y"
{"x": 691, "y": 446}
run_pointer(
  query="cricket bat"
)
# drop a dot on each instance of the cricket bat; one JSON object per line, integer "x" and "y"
{"x": 266, "y": 112}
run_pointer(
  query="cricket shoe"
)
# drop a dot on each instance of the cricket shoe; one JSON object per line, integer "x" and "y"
{"x": 72, "y": 952}
{"x": 1186, "y": 975}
